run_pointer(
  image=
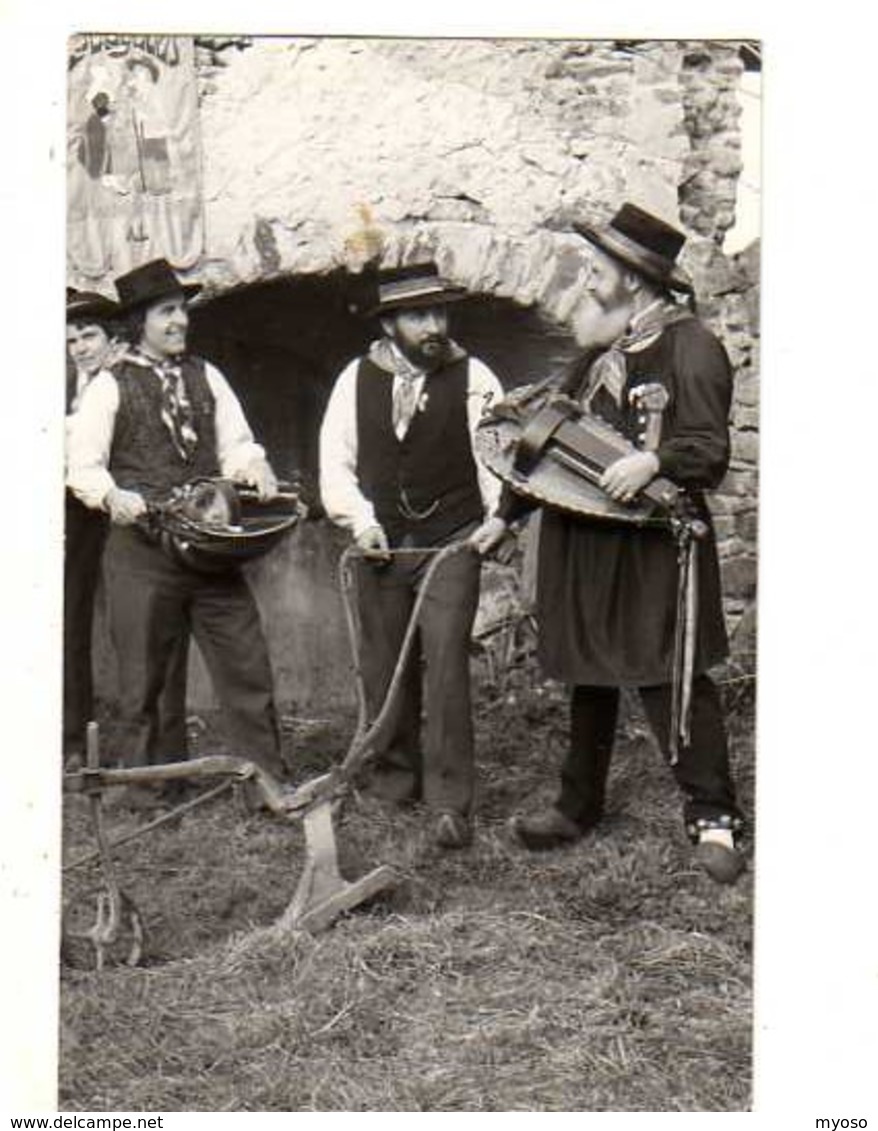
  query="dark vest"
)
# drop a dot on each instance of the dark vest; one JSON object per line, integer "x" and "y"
{"x": 143, "y": 456}
{"x": 424, "y": 485}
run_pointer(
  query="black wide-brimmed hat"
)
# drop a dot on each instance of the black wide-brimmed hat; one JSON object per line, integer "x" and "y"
{"x": 149, "y": 283}
{"x": 89, "y": 306}
{"x": 644, "y": 243}
{"x": 402, "y": 288}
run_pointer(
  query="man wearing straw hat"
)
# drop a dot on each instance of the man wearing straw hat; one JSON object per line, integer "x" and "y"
{"x": 158, "y": 419}
{"x": 397, "y": 470}
{"x": 608, "y": 598}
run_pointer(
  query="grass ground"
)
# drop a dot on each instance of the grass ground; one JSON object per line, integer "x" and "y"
{"x": 610, "y": 976}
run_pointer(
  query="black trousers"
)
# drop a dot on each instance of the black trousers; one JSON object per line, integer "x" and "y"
{"x": 172, "y": 741}
{"x": 153, "y": 602}
{"x": 85, "y": 532}
{"x": 702, "y": 771}
{"x": 440, "y": 771}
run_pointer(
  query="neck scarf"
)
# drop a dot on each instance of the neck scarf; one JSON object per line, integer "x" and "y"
{"x": 176, "y": 409}
{"x": 610, "y": 371}
{"x": 406, "y": 391}
{"x": 409, "y": 395}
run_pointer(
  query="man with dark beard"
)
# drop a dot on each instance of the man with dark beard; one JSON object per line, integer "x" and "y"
{"x": 397, "y": 470}
{"x": 607, "y": 592}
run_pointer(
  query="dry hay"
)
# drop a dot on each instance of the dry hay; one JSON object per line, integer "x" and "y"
{"x": 608, "y": 976}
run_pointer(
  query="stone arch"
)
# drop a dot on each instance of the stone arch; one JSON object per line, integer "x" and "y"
{"x": 540, "y": 268}
{"x": 543, "y": 269}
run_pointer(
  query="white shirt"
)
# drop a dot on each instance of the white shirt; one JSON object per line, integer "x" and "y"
{"x": 83, "y": 379}
{"x": 91, "y": 427}
{"x": 345, "y": 503}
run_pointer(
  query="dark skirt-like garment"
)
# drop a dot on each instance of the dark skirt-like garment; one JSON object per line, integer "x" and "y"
{"x": 607, "y": 603}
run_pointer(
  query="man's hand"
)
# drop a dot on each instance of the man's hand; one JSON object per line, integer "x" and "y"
{"x": 373, "y": 542}
{"x": 124, "y": 507}
{"x": 628, "y": 475}
{"x": 488, "y": 536}
{"x": 258, "y": 474}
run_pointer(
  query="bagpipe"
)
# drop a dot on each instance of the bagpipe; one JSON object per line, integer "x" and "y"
{"x": 213, "y": 524}
{"x": 547, "y": 447}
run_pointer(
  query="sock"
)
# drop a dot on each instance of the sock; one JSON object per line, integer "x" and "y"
{"x": 717, "y": 836}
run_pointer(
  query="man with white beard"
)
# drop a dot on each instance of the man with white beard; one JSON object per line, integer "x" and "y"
{"x": 607, "y": 593}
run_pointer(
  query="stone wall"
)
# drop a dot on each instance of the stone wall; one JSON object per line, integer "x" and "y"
{"x": 476, "y": 151}
{"x": 728, "y": 291}
{"x": 323, "y": 154}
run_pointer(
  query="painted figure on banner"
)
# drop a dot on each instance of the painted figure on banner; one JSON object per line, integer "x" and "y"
{"x": 134, "y": 182}
{"x": 149, "y": 125}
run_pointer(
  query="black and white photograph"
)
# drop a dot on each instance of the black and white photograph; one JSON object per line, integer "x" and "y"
{"x": 410, "y": 577}
{"x": 406, "y": 750}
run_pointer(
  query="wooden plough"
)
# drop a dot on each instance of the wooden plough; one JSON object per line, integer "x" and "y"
{"x": 322, "y": 894}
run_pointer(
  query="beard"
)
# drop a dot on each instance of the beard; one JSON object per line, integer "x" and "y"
{"x": 429, "y": 353}
{"x": 600, "y": 324}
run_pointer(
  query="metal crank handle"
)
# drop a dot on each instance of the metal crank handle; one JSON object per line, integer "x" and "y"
{"x": 249, "y": 494}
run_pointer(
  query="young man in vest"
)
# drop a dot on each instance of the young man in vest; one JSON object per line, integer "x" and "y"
{"x": 159, "y": 418}
{"x": 397, "y": 470}
{"x": 91, "y": 341}
{"x": 607, "y": 599}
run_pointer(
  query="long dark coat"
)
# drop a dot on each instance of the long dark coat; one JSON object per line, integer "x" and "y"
{"x": 606, "y": 593}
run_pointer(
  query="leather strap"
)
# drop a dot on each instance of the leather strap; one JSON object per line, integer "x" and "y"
{"x": 537, "y": 433}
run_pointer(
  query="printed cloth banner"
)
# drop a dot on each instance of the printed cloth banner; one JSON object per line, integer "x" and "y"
{"x": 133, "y": 154}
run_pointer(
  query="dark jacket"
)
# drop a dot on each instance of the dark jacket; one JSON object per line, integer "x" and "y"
{"x": 606, "y": 593}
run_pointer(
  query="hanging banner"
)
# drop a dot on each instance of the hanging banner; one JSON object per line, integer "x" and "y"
{"x": 133, "y": 154}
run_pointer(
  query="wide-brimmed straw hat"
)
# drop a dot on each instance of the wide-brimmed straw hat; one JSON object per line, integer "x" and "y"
{"x": 89, "y": 306}
{"x": 403, "y": 288}
{"x": 149, "y": 283}
{"x": 644, "y": 243}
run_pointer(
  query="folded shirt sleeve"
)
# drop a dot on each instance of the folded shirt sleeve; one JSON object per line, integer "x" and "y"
{"x": 235, "y": 445}
{"x": 340, "y": 490}
{"x": 483, "y": 391}
{"x": 89, "y": 439}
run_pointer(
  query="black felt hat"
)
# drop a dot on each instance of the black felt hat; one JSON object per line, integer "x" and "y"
{"x": 149, "y": 283}
{"x": 89, "y": 306}
{"x": 644, "y": 243}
